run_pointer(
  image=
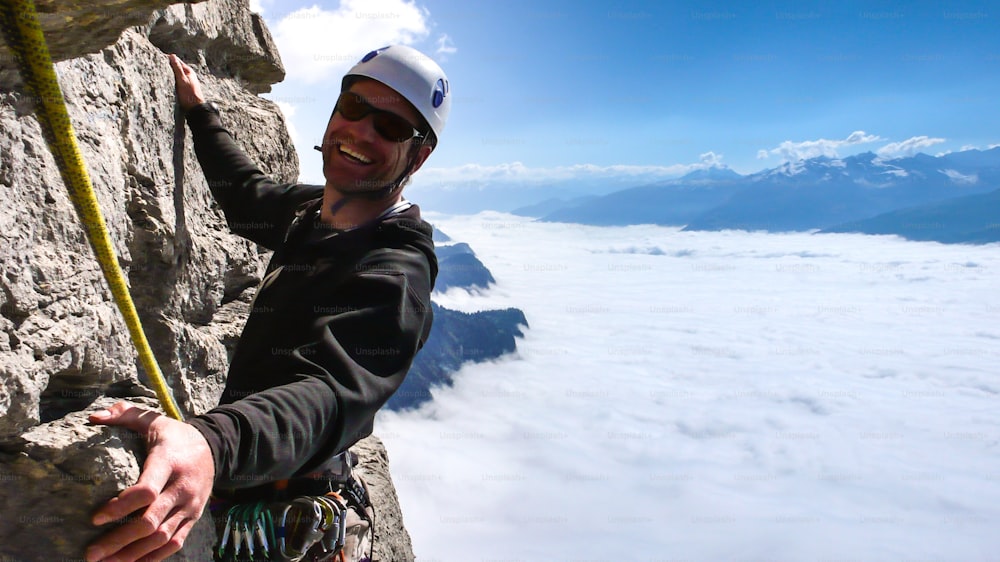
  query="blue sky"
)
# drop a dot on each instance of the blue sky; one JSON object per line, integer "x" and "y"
{"x": 556, "y": 88}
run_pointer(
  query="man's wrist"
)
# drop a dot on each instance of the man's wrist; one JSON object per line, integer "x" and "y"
{"x": 211, "y": 438}
{"x": 203, "y": 115}
{"x": 205, "y": 106}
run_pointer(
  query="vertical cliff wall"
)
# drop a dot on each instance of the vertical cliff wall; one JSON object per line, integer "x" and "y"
{"x": 64, "y": 350}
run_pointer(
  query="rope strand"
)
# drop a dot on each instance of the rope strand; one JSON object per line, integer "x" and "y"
{"x": 23, "y": 32}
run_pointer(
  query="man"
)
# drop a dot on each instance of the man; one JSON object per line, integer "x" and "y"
{"x": 342, "y": 310}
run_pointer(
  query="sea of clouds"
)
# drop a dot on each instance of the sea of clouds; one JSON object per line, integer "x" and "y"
{"x": 713, "y": 396}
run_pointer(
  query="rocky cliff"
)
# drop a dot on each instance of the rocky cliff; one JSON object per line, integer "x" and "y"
{"x": 457, "y": 338}
{"x": 64, "y": 350}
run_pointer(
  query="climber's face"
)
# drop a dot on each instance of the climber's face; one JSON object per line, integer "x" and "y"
{"x": 368, "y": 139}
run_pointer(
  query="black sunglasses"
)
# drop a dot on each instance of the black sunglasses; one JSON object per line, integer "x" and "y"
{"x": 392, "y": 127}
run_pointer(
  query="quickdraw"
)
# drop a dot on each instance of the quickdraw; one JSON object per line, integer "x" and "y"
{"x": 19, "y": 21}
{"x": 284, "y": 531}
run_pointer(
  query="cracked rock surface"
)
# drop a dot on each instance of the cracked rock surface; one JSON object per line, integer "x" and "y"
{"x": 64, "y": 348}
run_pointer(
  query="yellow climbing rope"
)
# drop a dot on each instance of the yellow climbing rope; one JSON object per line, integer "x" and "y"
{"x": 23, "y": 32}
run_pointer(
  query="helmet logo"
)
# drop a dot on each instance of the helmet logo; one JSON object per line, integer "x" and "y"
{"x": 372, "y": 54}
{"x": 440, "y": 91}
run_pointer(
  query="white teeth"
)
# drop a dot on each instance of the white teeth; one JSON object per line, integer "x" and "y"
{"x": 355, "y": 155}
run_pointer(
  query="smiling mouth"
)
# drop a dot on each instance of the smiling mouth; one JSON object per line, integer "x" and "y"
{"x": 354, "y": 156}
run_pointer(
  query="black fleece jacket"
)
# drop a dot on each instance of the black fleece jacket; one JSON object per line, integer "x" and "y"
{"x": 333, "y": 328}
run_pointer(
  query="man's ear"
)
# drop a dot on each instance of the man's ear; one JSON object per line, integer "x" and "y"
{"x": 422, "y": 155}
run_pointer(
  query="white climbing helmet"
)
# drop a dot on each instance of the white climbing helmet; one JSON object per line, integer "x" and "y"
{"x": 411, "y": 73}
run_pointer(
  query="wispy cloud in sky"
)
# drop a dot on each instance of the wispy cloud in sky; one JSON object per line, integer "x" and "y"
{"x": 792, "y": 151}
{"x": 960, "y": 178}
{"x": 909, "y": 147}
{"x": 318, "y": 44}
{"x": 445, "y": 47}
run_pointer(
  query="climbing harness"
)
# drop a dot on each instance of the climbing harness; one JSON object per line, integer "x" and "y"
{"x": 23, "y": 32}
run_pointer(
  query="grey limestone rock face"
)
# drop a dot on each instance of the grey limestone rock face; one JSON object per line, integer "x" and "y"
{"x": 54, "y": 474}
{"x": 392, "y": 542}
{"x": 235, "y": 39}
{"x": 64, "y": 348}
{"x": 79, "y": 28}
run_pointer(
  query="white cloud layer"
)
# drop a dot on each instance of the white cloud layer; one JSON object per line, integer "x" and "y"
{"x": 909, "y": 147}
{"x": 518, "y": 173}
{"x": 790, "y": 151}
{"x": 318, "y": 44}
{"x": 713, "y": 396}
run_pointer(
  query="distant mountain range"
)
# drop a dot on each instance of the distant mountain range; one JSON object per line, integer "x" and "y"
{"x": 819, "y": 193}
{"x": 552, "y": 205}
{"x": 971, "y": 219}
{"x": 507, "y": 193}
{"x": 673, "y": 202}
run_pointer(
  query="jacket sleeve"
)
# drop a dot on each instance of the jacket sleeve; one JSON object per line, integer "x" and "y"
{"x": 364, "y": 338}
{"x": 256, "y": 207}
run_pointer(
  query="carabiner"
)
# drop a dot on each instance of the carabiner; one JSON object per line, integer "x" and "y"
{"x": 259, "y": 532}
{"x": 224, "y": 540}
{"x": 303, "y": 539}
{"x": 249, "y": 536}
{"x": 332, "y": 528}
